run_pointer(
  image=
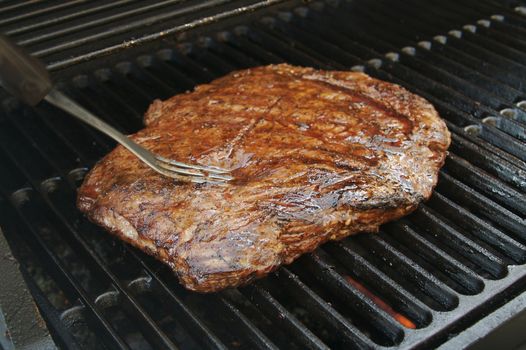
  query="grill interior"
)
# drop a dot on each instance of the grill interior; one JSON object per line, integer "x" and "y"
{"x": 418, "y": 282}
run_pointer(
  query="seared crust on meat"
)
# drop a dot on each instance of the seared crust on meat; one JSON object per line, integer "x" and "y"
{"x": 317, "y": 156}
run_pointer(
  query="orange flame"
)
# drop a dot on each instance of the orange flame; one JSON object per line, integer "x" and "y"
{"x": 404, "y": 321}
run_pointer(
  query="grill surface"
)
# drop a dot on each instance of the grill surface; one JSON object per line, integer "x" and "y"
{"x": 458, "y": 257}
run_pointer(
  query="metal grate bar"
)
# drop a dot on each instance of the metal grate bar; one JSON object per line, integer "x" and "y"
{"x": 201, "y": 331}
{"x": 82, "y": 140}
{"x": 491, "y": 56}
{"x": 441, "y": 89}
{"x": 215, "y": 65}
{"x": 332, "y": 53}
{"x": 352, "y": 338}
{"x": 41, "y": 11}
{"x": 273, "y": 29}
{"x": 165, "y": 89}
{"x": 437, "y": 13}
{"x": 196, "y": 326}
{"x": 503, "y": 140}
{"x": 64, "y": 339}
{"x": 470, "y": 94}
{"x": 507, "y": 36}
{"x": 317, "y": 26}
{"x": 113, "y": 30}
{"x": 61, "y": 273}
{"x": 455, "y": 189}
{"x": 99, "y": 85}
{"x": 116, "y": 97}
{"x": 500, "y": 167}
{"x": 163, "y": 68}
{"x": 60, "y": 19}
{"x": 381, "y": 75}
{"x": 506, "y": 51}
{"x": 248, "y": 48}
{"x": 347, "y": 254}
{"x": 350, "y": 29}
{"x": 424, "y": 262}
{"x": 510, "y": 126}
{"x": 155, "y": 36}
{"x": 97, "y": 106}
{"x": 55, "y": 116}
{"x": 28, "y": 157}
{"x": 371, "y": 14}
{"x": 495, "y": 88}
{"x": 483, "y": 8}
{"x": 154, "y": 334}
{"x": 19, "y": 5}
{"x": 83, "y": 248}
{"x": 486, "y": 149}
{"x": 261, "y": 341}
{"x": 478, "y": 228}
{"x": 219, "y": 48}
{"x": 13, "y": 179}
{"x": 286, "y": 53}
{"x": 426, "y": 218}
{"x": 29, "y": 129}
{"x": 282, "y": 317}
{"x": 486, "y": 183}
{"x": 135, "y": 100}
{"x": 461, "y": 274}
{"x": 425, "y": 65}
{"x": 376, "y": 318}
{"x": 436, "y": 289}
{"x": 495, "y": 7}
{"x": 440, "y": 47}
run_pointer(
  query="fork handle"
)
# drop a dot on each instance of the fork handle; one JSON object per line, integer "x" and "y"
{"x": 21, "y": 74}
{"x": 63, "y": 102}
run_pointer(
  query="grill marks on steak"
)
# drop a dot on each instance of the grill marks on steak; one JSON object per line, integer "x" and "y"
{"x": 317, "y": 156}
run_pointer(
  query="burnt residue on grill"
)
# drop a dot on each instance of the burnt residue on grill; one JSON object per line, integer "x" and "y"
{"x": 457, "y": 258}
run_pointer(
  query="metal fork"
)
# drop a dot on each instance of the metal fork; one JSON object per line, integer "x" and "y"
{"x": 26, "y": 77}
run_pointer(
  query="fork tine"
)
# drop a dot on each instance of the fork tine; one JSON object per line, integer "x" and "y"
{"x": 209, "y": 169}
{"x": 182, "y": 171}
{"x": 185, "y": 178}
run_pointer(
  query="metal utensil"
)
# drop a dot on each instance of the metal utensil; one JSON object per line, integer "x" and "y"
{"x": 26, "y": 78}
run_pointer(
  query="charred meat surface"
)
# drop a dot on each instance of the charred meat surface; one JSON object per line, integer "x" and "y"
{"x": 316, "y": 156}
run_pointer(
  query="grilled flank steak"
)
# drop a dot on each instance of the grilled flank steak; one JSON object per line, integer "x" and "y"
{"x": 316, "y": 156}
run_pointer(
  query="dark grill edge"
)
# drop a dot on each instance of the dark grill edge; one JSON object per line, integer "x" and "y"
{"x": 459, "y": 257}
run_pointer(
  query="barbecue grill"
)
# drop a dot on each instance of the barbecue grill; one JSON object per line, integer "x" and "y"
{"x": 446, "y": 275}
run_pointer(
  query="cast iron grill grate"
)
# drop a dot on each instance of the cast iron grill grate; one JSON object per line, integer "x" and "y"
{"x": 420, "y": 280}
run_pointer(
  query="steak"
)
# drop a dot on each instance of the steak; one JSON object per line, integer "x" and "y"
{"x": 316, "y": 156}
